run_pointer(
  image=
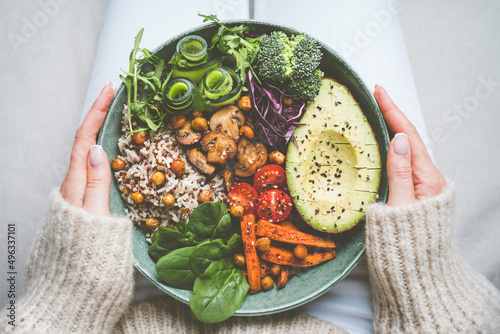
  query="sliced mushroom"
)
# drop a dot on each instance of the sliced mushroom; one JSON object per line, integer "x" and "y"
{"x": 228, "y": 120}
{"x": 228, "y": 178}
{"x": 219, "y": 147}
{"x": 250, "y": 158}
{"x": 199, "y": 160}
{"x": 187, "y": 135}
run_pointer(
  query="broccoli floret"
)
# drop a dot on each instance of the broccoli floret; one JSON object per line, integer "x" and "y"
{"x": 307, "y": 88}
{"x": 292, "y": 62}
{"x": 274, "y": 57}
{"x": 306, "y": 56}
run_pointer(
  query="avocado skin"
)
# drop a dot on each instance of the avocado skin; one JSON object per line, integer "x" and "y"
{"x": 335, "y": 172}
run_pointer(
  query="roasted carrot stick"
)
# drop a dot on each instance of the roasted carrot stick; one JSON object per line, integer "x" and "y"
{"x": 289, "y": 225}
{"x": 285, "y": 271}
{"x": 285, "y": 257}
{"x": 252, "y": 260}
{"x": 290, "y": 236}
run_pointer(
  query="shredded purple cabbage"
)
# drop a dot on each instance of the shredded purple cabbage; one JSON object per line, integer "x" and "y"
{"x": 251, "y": 34}
{"x": 274, "y": 123}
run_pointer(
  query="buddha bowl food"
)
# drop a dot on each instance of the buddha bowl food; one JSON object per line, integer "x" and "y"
{"x": 245, "y": 152}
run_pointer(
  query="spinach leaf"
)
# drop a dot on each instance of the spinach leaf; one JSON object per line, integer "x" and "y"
{"x": 224, "y": 229}
{"x": 164, "y": 240}
{"x": 209, "y": 252}
{"x": 175, "y": 268}
{"x": 205, "y": 219}
{"x": 218, "y": 292}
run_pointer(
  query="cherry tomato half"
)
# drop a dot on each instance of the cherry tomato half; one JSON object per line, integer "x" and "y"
{"x": 274, "y": 205}
{"x": 242, "y": 194}
{"x": 269, "y": 177}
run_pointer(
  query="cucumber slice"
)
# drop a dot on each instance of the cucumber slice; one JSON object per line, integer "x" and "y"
{"x": 193, "y": 48}
{"x": 197, "y": 72}
{"x": 232, "y": 96}
{"x": 178, "y": 96}
{"x": 216, "y": 83}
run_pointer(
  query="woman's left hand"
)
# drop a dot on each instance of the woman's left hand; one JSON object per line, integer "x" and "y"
{"x": 88, "y": 179}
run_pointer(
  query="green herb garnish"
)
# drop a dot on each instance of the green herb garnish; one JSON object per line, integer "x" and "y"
{"x": 145, "y": 83}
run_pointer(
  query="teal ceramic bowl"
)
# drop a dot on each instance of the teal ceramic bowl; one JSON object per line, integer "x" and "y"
{"x": 306, "y": 285}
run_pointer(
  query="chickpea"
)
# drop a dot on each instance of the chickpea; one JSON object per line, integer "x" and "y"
{"x": 178, "y": 166}
{"x": 178, "y": 121}
{"x": 139, "y": 137}
{"x": 239, "y": 260}
{"x": 158, "y": 178}
{"x": 117, "y": 164}
{"x": 276, "y": 157}
{"x": 263, "y": 244}
{"x": 275, "y": 270}
{"x": 267, "y": 283}
{"x": 205, "y": 196}
{"x": 137, "y": 197}
{"x": 152, "y": 223}
{"x": 237, "y": 211}
{"x": 246, "y": 131}
{"x": 288, "y": 101}
{"x": 196, "y": 113}
{"x": 199, "y": 124}
{"x": 244, "y": 103}
{"x": 168, "y": 200}
{"x": 300, "y": 252}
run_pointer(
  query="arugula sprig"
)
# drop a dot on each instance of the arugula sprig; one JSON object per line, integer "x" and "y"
{"x": 145, "y": 85}
{"x": 231, "y": 41}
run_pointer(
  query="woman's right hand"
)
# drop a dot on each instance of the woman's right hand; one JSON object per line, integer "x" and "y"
{"x": 411, "y": 172}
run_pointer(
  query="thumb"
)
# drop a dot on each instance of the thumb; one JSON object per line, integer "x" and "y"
{"x": 399, "y": 171}
{"x": 96, "y": 199}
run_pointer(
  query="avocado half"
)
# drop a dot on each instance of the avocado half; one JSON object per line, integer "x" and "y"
{"x": 335, "y": 171}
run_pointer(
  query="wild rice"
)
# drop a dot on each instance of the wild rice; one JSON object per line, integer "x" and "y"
{"x": 157, "y": 154}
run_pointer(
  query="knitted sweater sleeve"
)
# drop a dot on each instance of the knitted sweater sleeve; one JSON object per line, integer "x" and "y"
{"x": 420, "y": 282}
{"x": 79, "y": 277}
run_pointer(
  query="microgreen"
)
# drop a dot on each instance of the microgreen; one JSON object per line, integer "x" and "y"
{"x": 231, "y": 41}
{"x": 145, "y": 83}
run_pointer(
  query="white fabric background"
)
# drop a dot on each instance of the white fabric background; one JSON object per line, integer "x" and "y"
{"x": 47, "y": 56}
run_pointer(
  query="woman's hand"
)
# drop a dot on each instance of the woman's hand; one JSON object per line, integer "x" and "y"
{"x": 412, "y": 174}
{"x": 88, "y": 179}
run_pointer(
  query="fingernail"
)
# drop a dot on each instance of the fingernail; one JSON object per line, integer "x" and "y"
{"x": 377, "y": 86}
{"x": 96, "y": 156}
{"x": 401, "y": 144}
{"x": 109, "y": 84}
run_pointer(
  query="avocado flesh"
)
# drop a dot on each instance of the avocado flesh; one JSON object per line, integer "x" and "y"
{"x": 335, "y": 172}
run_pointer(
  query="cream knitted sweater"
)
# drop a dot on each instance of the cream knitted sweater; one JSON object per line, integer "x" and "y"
{"x": 80, "y": 279}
